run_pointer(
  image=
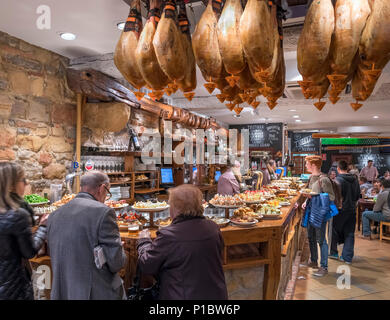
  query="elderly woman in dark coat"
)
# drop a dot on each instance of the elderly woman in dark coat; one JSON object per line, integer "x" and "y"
{"x": 17, "y": 241}
{"x": 187, "y": 255}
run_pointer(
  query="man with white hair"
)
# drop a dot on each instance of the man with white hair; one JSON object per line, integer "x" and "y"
{"x": 77, "y": 233}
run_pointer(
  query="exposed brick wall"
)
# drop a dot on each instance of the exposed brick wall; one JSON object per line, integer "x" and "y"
{"x": 37, "y": 111}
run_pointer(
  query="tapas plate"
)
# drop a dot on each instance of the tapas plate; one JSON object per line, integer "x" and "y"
{"x": 226, "y": 207}
{"x": 221, "y": 222}
{"x": 150, "y": 209}
{"x": 245, "y": 224}
{"x": 39, "y": 203}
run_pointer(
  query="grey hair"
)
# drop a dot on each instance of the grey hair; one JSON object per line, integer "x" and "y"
{"x": 10, "y": 174}
{"x": 93, "y": 180}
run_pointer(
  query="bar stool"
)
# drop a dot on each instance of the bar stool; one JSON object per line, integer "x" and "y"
{"x": 383, "y": 224}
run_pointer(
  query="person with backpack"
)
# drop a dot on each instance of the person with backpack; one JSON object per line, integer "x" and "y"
{"x": 343, "y": 226}
{"x": 327, "y": 189}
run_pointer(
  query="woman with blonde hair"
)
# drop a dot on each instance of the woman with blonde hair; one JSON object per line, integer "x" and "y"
{"x": 16, "y": 238}
{"x": 186, "y": 256}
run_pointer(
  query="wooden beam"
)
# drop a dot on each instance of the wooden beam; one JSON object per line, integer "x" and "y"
{"x": 335, "y": 135}
{"x": 96, "y": 85}
{"x": 356, "y": 146}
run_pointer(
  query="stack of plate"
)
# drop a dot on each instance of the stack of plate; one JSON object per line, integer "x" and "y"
{"x": 125, "y": 192}
{"x": 116, "y": 193}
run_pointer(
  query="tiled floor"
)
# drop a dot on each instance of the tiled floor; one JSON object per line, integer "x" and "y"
{"x": 370, "y": 276}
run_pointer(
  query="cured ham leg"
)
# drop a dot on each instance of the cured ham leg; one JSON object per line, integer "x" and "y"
{"x": 350, "y": 20}
{"x": 188, "y": 83}
{"x": 257, "y": 34}
{"x": 146, "y": 58}
{"x": 124, "y": 56}
{"x": 205, "y": 45}
{"x": 168, "y": 45}
{"x": 313, "y": 50}
{"x": 374, "y": 51}
{"x": 229, "y": 40}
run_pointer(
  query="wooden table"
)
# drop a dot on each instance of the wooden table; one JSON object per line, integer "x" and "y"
{"x": 266, "y": 243}
{"x": 262, "y": 245}
{"x": 363, "y": 205}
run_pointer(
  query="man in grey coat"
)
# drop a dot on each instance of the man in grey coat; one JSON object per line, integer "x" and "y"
{"x": 73, "y": 232}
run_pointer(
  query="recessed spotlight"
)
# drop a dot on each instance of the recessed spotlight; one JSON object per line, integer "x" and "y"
{"x": 120, "y": 25}
{"x": 296, "y": 116}
{"x": 375, "y": 117}
{"x": 67, "y": 36}
{"x": 292, "y": 110}
{"x": 298, "y": 120}
{"x": 237, "y": 116}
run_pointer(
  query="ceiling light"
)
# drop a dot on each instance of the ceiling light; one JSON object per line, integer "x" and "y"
{"x": 120, "y": 25}
{"x": 293, "y": 110}
{"x": 297, "y": 120}
{"x": 331, "y": 131}
{"x": 296, "y": 116}
{"x": 375, "y": 117}
{"x": 237, "y": 116}
{"x": 67, "y": 36}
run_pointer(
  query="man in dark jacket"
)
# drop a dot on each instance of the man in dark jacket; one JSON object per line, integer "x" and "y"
{"x": 74, "y": 232}
{"x": 344, "y": 223}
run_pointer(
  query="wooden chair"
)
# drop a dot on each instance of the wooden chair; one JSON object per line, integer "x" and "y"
{"x": 383, "y": 224}
{"x": 259, "y": 179}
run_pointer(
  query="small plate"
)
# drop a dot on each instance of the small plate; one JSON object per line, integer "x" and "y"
{"x": 244, "y": 224}
{"x": 150, "y": 209}
{"x": 227, "y": 207}
{"x": 39, "y": 203}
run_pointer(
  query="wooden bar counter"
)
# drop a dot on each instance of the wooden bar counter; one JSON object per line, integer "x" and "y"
{"x": 257, "y": 261}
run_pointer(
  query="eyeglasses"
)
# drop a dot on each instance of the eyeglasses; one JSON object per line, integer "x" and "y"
{"x": 109, "y": 194}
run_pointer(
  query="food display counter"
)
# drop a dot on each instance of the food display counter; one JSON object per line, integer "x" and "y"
{"x": 257, "y": 260}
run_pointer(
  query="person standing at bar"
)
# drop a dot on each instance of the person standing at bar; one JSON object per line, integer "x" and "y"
{"x": 343, "y": 230}
{"x": 17, "y": 242}
{"x": 227, "y": 182}
{"x": 319, "y": 183}
{"x": 369, "y": 172}
{"x": 78, "y": 232}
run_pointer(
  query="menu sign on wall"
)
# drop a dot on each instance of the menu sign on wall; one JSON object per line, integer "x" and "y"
{"x": 264, "y": 135}
{"x": 304, "y": 142}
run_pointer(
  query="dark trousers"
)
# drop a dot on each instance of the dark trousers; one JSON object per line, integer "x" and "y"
{"x": 343, "y": 231}
{"x": 318, "y": 235}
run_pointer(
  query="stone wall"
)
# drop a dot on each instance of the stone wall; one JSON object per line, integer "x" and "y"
{"x": 245, "y": 284}
{"x": 37, "y": 112}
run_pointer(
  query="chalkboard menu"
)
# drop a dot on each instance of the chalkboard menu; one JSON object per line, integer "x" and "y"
{"x": 304, "y": 142}
{"x": 268, "y": 135}
{"x": 381, "y": 161}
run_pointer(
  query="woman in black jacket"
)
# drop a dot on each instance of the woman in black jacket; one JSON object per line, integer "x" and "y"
{"x": 186, "y": 256}
{"x": 16, "y": 238}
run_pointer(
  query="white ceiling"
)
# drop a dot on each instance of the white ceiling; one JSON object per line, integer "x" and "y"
{"x": 94, "y": 23}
